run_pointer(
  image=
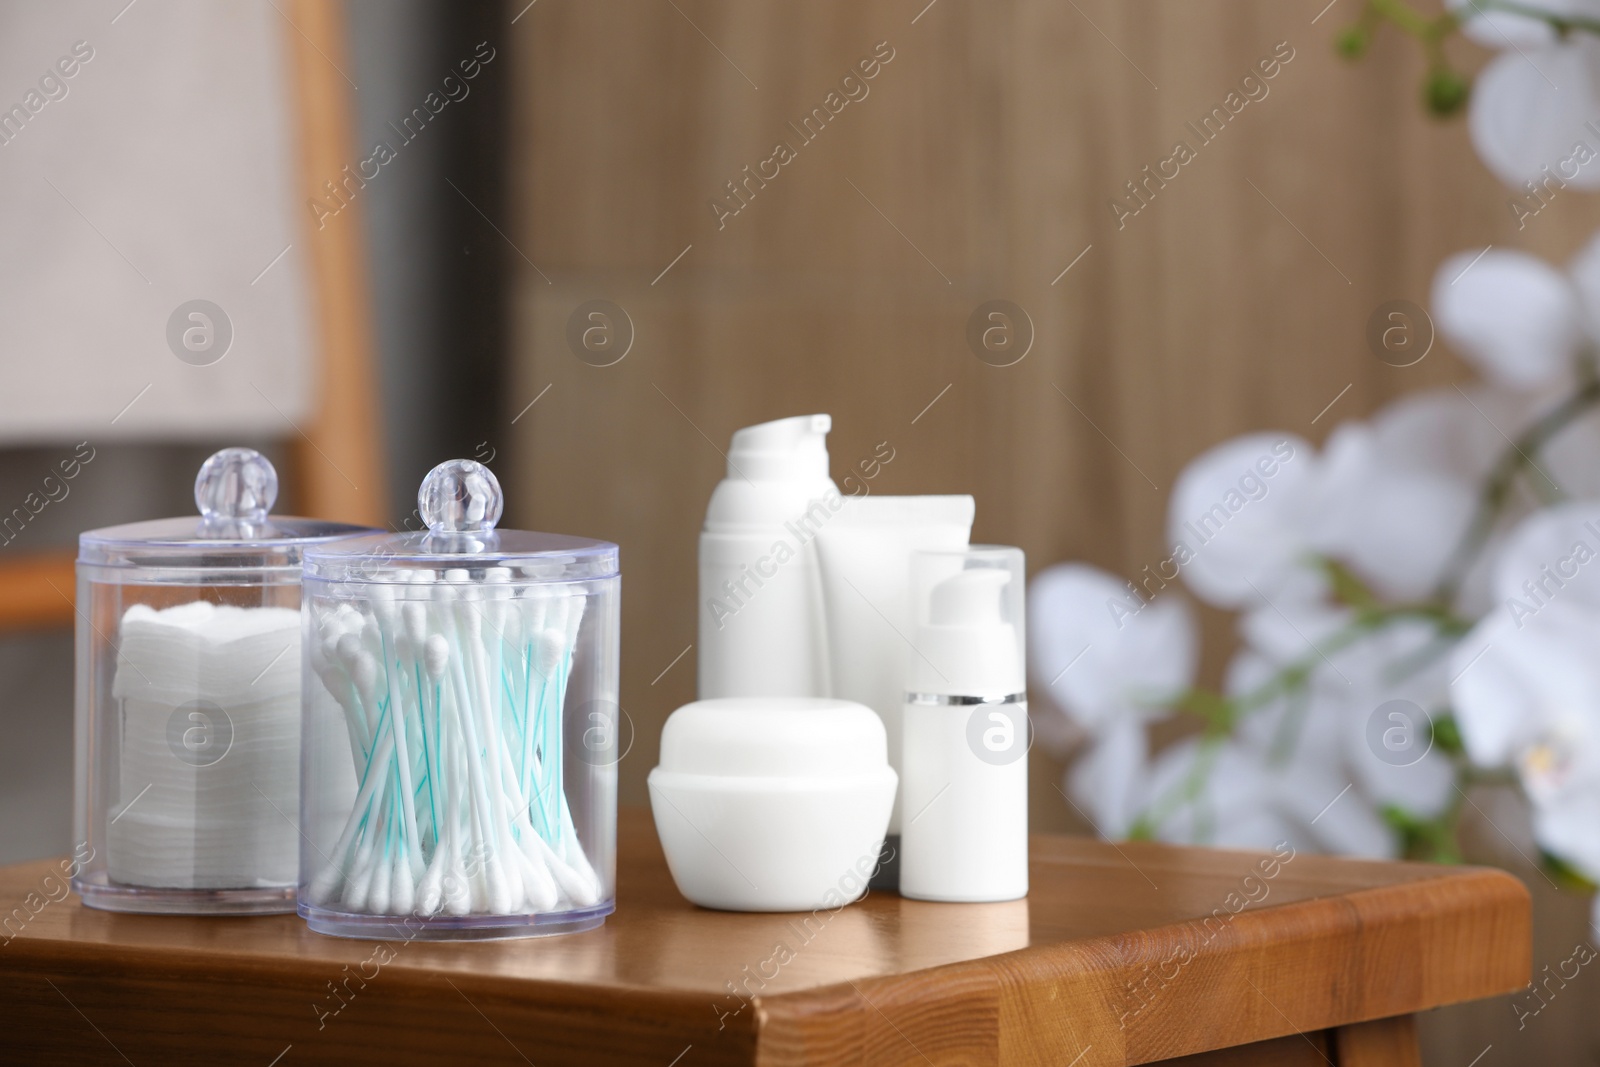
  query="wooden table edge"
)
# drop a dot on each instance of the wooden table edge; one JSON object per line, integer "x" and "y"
{"x": 1395, "y": 949}
{"x": 1235, "y": 976}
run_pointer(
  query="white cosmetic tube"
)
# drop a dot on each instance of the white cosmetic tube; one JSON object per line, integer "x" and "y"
{"x": 865, "y": 551}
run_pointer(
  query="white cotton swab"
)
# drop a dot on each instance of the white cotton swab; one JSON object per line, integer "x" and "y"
{"x": 436, "y": 653}
{"x": 325, "y": 662}
{"x": 387, "y": 617}
{"x": 489, "y": 812}
{"x": 363, "y": 673}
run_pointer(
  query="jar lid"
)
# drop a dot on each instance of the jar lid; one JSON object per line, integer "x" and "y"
{"x": 774, "y": 737}
{"x": 460, "y": 501}
{"x": 234, "y": 493}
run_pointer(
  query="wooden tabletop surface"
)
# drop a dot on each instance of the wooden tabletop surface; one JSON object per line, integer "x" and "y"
{"x": 1123, "y": 953}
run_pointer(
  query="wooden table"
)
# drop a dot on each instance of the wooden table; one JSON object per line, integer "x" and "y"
{"x": 1130, "y": 953}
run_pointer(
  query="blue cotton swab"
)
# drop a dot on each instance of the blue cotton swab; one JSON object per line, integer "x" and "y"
{"x": 389, "y": 633}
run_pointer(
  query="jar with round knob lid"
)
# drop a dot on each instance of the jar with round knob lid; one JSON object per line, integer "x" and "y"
{"x": 188, "y": 701}
{"x": 461, "y": 727}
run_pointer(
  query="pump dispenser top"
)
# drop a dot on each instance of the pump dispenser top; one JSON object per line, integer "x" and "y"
{"x": 969, "y": 624}
{"x": 793, "y": 448}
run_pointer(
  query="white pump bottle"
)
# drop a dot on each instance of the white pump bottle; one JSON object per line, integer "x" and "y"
{"x": 964, "y": 761}
{"x": 762, "y": 629}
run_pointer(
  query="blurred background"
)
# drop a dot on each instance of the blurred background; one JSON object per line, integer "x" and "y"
{"x": 605, "y": 151}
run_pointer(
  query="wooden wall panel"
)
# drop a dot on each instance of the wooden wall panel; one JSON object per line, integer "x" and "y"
{"x": 978, "y": 167}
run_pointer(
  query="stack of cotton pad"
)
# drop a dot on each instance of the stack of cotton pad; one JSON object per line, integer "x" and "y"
{"x": 210, "y": 750}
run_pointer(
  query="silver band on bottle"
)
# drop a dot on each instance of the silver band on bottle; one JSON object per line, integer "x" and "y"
{"x": 940, "y": 700}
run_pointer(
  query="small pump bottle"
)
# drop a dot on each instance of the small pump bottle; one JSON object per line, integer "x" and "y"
{"x": 964, "y": 761}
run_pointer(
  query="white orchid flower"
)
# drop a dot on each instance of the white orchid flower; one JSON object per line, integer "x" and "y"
{"x": 1529, "y": 668}
{"x": 1397, "y": 493}
{"x": 1513, "y": 316}
{"x": 1562, "y": 776}
{"x": 1553, "y": 554}
{"x": 1528, "y": 696}
{"x": 1280, "y": 774}
{"x": 1110, "y": 662}
{"x": 1285, "y": 630}
{"x": 1234, "y": 806}
{"x": 1384, "y": 719}
{"x": 1246, "y": 801}
{"x": 1099, "y": 653}
{"x": 1107, "y": 782}
{"x": 1529, "y": 116}
{"x": 1406, "y": 661}
{"x": 1567, "y": 461}
{"x": 1303, "y": 767}
{"x": 1240, "y": 521}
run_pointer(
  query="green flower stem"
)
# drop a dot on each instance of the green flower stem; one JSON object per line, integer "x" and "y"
{"x": 1432, "y": 32}
{"x": 1428, "y": 30}
{"x": 1220, "y": 713}
{"x": 1189, "y": 791}
{"x": 1496, "y": 493}
{"x": 1562, "y": 24}
{"x": 1471, "y": 775}
{"x": 1435, "y": 840}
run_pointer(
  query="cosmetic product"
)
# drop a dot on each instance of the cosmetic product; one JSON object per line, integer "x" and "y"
{"x": 460, "y": 732}
{"x": 964, "y": 765}
{"x": 865, "y": 551}
{"x": 772, "y": 803}
{"x": 761, "y": 625}
{"x": 187, "y": 745}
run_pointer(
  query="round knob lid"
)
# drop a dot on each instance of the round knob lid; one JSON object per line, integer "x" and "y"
{"x": 236, "y": 485}
{"x": 460, "y": 496}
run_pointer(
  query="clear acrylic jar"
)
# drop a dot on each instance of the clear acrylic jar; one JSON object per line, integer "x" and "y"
{"x": 460, "y": 737}
{"x": 188, "y": 701}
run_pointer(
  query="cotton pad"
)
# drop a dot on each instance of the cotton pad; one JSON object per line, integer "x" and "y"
{"x": 210, "y": 741}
